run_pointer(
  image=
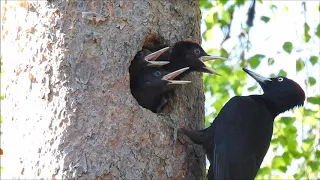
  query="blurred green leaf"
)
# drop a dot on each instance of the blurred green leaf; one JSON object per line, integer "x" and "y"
{"x": 204, "y": 4}
{"x": 314, "y": 165}
{"x": 270, "y": 61}
{"x": 207, "y": 35}
{"x": 299, "y": 65}
{"x": 306, "y": 36}
{"x": 264, "y": 170}
{"x": 311, "y": 81}
{"x": 287, "y": 46}
{"x": 282, "y": 73}
{"x": 273, "y": 7}
{"x": 317, "y": 154}
{"x": 265, "y": 19}
{"x": 287, "y": 120}
{"x": 295, "y": 153}
{"x": 313, "y": 60}
{"x": 223, "y": 53}
{"x": 314, "y": 100}
{"x": 307, "y": 143}
{"x": 240, "y": 2}
{"x": 255, "y": 60}
{"x": 209, "y": 21}
{"x": 252, "y": 88}
{"x": 279, "y": 164}
{"x": 287, "y": 158}
{"x": 225, "y": 17}
{"x": 298, "y": 175}
{"x": 285, "y": 9}
{"x": 318, "y": 30}
{"x": 223, "y": 2}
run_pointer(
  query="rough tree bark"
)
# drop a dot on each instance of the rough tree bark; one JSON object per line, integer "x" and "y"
{"x": 68, "y": 109}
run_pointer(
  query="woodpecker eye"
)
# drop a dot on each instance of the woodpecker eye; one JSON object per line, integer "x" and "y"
{"x": 197, "y": 51}
{"x": 280, "y": 79}
{"x": 157, "y": 73}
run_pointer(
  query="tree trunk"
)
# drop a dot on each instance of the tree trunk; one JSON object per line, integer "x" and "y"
{"x": 68, "y": 109}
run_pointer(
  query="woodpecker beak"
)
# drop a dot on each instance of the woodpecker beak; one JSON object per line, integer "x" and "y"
{"x": 169, "y": 77}
{"x": 153, "y": 56}
{"x": 210, "y": 58}
{"x": 260, "y": 79}
{"x": 209, "y": 70}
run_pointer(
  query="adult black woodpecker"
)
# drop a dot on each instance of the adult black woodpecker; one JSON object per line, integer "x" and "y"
{"x": 240, "y": 135}
{"x": 151, "y": 84}
{"x": 146, "y": 58}
{"x": 187, "y": 54}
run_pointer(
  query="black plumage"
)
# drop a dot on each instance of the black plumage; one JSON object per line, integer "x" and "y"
{"x": 151, "y": 84}
{"x": 146, "y": 58}
{"x": 240, "y": 135}
{"x": 187, "y": 54}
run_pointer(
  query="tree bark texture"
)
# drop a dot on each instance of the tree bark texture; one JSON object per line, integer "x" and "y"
{"x": 68, "y": 109}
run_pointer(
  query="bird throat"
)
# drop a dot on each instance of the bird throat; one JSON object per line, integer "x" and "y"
{"x": 300, "y": 89}
{"x": 272, "y": 107}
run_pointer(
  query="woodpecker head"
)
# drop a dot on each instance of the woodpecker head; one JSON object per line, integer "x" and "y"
{"x": 282, "y": 92}
{"x": 191, "y": 54}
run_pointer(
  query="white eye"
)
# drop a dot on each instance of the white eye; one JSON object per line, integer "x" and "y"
{"x": 157, "y": 73}
{"x": 280, "y": 79}
{"x": 197, "y": 51}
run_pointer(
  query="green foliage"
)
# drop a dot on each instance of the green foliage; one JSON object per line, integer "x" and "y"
{"x": 313, "y": 60}
{"x": 205, "y": 4}
{"x": 306, "y": 36}
{"x": 299, "y": 64}
{"x": 287, "y": 47}
{"x": 265, "y": 19}
{"x": 296, "y": 135}
{"x": 282, "y": 73}
{"x": 311, "y": 81}
{"x": 314, "y": 100}
{"x": 318, "y": 30}
{"x": 255, "y": 60}
{"x": 270, "y": 61}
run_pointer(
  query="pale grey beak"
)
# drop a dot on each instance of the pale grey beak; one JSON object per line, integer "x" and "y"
{"x": 169, "y": 77}
{"x": 151, "y": 58}
{"x": 210, "y": 58}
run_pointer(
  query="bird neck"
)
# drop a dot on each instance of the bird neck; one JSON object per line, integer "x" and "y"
{"x": 273, "y": 108}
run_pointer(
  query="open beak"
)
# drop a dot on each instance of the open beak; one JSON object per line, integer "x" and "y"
{"x": 151, "y": 58}
{"x": 209, "y": 70}
{"x": 210, "y": 58}
{"x": 260, "y": 79}
{"x": 169, "y": 77}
